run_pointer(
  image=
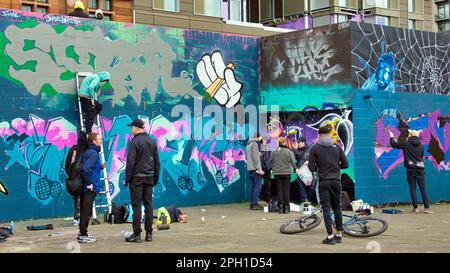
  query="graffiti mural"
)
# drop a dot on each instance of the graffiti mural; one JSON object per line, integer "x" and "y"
{"x": 435, "y": 136}
{"x": 395, "y": 59}
{"x": 306, "y": 70}
{"x": 292, "y": 126}
{"x": 153, "y": 70}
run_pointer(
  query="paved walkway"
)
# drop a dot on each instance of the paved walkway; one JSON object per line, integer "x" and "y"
{"x": 234, "y": 228}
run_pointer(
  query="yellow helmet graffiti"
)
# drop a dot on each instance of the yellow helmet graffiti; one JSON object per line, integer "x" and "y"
{"x": 79, "y": 5}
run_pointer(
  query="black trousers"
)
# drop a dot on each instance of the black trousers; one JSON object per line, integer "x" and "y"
{"x": 330, "y": 198}
{"x": 89, "y": 112}
{"x": 414, "y": 177}
{"x": 283, "y": 184}
{"x": 86, "y": 203}
{"x": 141, "y": 189}
{"x": 267, "y": 191}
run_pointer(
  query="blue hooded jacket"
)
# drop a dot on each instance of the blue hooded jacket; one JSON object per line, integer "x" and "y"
{"x": 92, "y": 168}
{"x": 91, "y": 84}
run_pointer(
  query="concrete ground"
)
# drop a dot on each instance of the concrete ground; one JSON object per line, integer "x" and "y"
{"x": 234, "y": 228}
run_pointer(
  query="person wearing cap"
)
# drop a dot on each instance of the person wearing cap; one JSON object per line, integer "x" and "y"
{"x": 89, "y": 87}
{"x": 282, "y": 161}
{"x": 99, "y": 14}
{"x": 142, "y": 173}
{"x": 415, "y": 168}
{"x": 328, "y": 158}
{"x": 79, "y": 10}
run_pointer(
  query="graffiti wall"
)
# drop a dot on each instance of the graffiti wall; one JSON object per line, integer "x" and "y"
{"x": 153, "y": 70}
{"x": 294, "y": 125}
{"x": 307, "y": 70}
{"x": 405, "y": 74}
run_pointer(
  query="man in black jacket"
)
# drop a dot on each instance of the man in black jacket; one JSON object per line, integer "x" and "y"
{"x": 142, "y": 173}
{"x": 415, "y": 168}
{"x": 328, "y": 159}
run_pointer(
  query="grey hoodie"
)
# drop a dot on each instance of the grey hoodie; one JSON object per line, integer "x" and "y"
{"x": 253, "y": 156}
{"x": 282, "y": 161}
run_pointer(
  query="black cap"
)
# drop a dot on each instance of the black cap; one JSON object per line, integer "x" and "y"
{"x": 326, "y": 129}
{"x": 137, "y": 123}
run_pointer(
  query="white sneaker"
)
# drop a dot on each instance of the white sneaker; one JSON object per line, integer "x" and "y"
{"x": 86, "y": 239}
{"x": 76, "y": 222}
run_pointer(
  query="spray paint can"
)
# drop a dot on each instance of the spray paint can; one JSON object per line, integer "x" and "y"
{"x": 11, "y": 227}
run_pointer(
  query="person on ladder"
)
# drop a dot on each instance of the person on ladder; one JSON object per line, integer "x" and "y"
{"x": 90, "y": 107}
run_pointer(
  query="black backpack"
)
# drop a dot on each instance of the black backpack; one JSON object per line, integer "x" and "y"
{"x": 120, "y": 213}
{"x": 74, "y": 181}
{"x": 273, "y": 204}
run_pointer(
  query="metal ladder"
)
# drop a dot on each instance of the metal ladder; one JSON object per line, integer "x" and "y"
{"x": 97, "y": 125}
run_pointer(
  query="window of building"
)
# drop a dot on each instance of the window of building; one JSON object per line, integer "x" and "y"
{"x": 167, "y": 5}
{"x": 375, "y": 4}
{"x": 208, "y": 7}
{"x": 321, "y": 21}
{"x": 42, "y": 1}
{"x": 266, "y": 9}
{"x": 411, "y": 24}
{"x": 443, "y": 11}
{"x": 41, "y": 9}
{"x": 378, "y": 20}
{"x": 443, "y": 26}
{"x": 411, "y": 7}
{"x": 342, "y": 18}
{"x": 106, "y": 5}
{"x": 93, "y": 4}
{"x": 26, "y": 8}
{"x": 319, "y": 4}
{"x": 342, "y": 3}
{"x": 235, "y": 10}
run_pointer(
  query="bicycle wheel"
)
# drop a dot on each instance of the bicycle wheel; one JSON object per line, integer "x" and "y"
{"x": 365, "y": 226}
{"x": 302, "y": 224}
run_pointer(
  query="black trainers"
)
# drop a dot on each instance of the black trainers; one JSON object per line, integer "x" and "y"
{"x": 337, "y": 239}
{"x": 148, "y": 237}
{"x": 328, "y": 241}
{"x": 256, "y": 207}
{"x": 133, "y": 239}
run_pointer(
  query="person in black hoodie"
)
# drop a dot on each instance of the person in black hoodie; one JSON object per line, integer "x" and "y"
{"x": 327, "y": 158}
{"x": 301, "y": 157}
{"x": 265, "y": 165}
{"x": 415, "y": 168}
{"x": 79, "y": 10}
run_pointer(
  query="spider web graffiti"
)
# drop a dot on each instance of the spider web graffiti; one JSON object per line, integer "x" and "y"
{"x": 422, "y": 57}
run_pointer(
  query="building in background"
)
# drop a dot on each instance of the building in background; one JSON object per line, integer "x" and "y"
{"x": 427, "y": 15}
{"x": 115, "y": 10}
{"x": 442, "y": 11}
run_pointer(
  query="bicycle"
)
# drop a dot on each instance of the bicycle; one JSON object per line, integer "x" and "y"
{"x": 358, "y": 225}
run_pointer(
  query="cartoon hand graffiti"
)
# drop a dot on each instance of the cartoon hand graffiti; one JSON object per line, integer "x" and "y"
{"x": 3, "y": 188}
{"x": 219, "y": 80}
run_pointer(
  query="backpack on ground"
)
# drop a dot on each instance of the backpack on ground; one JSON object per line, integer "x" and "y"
{"x": 273, "y": 204}
{"x": 346, "y": 201}
{"x": 118, "y": 213}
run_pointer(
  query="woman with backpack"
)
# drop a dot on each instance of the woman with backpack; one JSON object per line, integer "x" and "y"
{"x": 282, "y": 161}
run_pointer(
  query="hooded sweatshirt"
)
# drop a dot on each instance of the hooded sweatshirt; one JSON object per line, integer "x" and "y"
{"x": 253, "y": 157}
{"x": 91, "y": 84}
{"x": 282, "y": 161}
{"x": 92, "y": 168}
{"x": 327, "y": 158}
{"x": 412, "y": 152}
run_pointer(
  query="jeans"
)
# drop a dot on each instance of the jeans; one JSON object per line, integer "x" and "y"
{"x": 254, "y": 187}
{"x": 307, "y": 193}
{"x": 330, "y": 199}
{"x": 417, "y": 176}
{"x": 141, "y": 190}
{"x": 76, "y": 207}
